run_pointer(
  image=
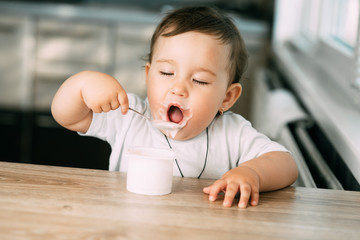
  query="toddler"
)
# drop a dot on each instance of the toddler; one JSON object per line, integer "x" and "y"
{"x": 197, "y": 58}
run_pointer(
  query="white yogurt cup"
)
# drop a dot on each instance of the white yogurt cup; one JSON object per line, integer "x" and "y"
{"x": 150, "y": 170}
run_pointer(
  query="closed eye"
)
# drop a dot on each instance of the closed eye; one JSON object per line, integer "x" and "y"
{"x": 166, "y": 73}
{"x": 200, "y": 82}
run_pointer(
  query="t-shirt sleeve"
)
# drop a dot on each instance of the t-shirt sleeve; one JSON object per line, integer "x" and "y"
{"x": 254, "y": 144}
{"x": 245, "y": 142}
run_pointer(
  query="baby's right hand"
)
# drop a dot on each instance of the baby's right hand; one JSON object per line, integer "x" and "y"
{"x": 102, "y": 93}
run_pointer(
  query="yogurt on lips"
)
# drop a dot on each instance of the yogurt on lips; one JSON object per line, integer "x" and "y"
{"x": 172, "y": 117}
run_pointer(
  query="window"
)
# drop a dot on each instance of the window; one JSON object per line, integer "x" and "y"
{"x": 329, "y": 31}
{"x": 310, "y": 23}
{"x": 343, "y": 20}
{"x": 316, "y": 46}
{"x": 334, "y": 20}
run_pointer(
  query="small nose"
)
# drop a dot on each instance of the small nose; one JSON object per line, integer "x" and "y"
{"x": 179, "y": 89}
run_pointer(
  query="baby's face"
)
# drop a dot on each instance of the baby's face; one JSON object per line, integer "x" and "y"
{"x": 187, "y": 81}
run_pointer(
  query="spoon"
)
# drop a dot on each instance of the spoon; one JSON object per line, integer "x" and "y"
{"x": 169, "y": 127}
{"x": 147, "y": 118}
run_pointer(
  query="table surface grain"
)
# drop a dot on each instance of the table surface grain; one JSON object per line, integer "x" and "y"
{"x": 47, "y": 202}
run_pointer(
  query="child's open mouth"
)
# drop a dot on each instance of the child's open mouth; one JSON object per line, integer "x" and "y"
{"x": 175, "y": 114}
{"x": 172, "y": 117}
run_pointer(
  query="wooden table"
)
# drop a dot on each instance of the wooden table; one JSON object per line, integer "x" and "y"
{"x": 43, "y": 202}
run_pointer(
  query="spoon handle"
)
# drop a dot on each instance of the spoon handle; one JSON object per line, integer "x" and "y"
{"x": 139, "y": 113}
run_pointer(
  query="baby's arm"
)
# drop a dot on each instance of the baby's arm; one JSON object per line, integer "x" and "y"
{"x": 84, "y": 93}
{"x": 270, "y": 171}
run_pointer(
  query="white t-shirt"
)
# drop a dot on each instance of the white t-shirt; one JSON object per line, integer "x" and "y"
{"x": 231, "y": 141}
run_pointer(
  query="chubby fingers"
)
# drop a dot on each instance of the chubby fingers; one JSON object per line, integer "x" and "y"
{"x": 124, "y": 102}
{"x": 231, "y": 190}
{"x": 106, "y": 107}
{"x": 221, "y": 185}
{"x": 113, "y": 103}
{"x": 254, "y": 197}
{"x": 247, "y": 192}
{"x": 119, "y": 100}
{"x": 214, "y": 190}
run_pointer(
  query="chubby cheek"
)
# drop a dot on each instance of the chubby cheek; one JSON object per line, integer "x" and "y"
{"x": 155, "y": 105}
{"x": 202, "y": 114}
{"x": 154, "y": 94}
{"x": 203, "y": 117}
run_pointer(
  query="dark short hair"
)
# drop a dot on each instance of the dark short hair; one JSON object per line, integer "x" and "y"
{"x": 207, "y": 20}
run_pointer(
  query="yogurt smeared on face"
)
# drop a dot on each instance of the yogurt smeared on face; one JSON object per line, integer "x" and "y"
{"x": 172, "y": 117}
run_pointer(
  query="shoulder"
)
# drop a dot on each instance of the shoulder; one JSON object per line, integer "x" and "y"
{"x": 234, "y": 127}
{"x": 230, "y": 121}
{"x": 135, "y": 100}
{"x": 243, "y": 141}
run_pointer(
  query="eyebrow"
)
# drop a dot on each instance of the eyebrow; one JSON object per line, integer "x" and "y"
{"x": 201, "y": 69}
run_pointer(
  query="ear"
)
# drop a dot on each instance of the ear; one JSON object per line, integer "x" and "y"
{"x": 232, "y": 94}
{"x": 147, "y": 69}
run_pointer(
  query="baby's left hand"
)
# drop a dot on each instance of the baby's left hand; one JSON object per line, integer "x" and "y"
{"x": 242, "y": 179}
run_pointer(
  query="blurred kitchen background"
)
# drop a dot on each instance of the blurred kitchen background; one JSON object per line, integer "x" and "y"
{"x": 302, "y": 86}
